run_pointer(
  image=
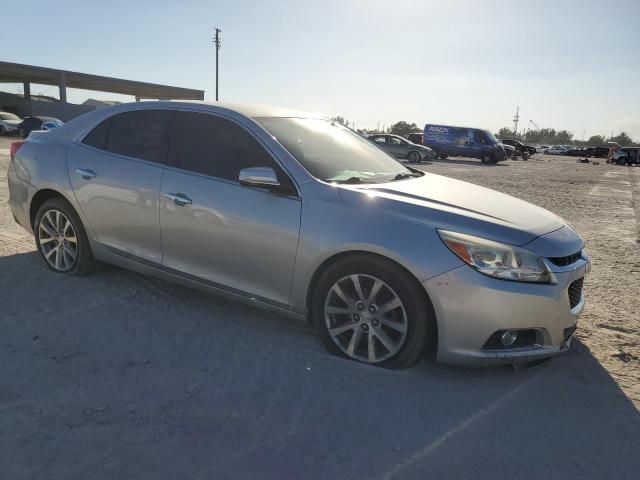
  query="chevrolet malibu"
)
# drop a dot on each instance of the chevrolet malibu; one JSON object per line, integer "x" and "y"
{"x": 296, "y": 213}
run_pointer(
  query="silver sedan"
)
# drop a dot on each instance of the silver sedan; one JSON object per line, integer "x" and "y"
{"x": 298, "y": 214}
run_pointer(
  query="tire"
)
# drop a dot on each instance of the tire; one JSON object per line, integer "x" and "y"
{"x": 46, "y": 233}
{"x": 23, "y": 133}
{"x": 443, "y": 156}
{"x": 364, "y": 321}
{"x": 2, "y": 130}
{"x": 486, "y": 159}
{"x": 413, "y": 157}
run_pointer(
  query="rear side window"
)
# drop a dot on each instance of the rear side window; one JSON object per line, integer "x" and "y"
{"x": 98, "y": 136}
{"x": 217, "y": 147}
{"x": 143, "y": 134}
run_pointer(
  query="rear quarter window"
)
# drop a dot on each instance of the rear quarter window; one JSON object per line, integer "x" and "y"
{"x": 142, "y": 134}
{"x": 97, "y": 138}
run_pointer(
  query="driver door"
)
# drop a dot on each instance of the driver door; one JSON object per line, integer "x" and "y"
{"x": 213, "y": 228}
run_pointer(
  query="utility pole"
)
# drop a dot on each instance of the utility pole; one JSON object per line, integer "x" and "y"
{"x": 516, "y": 119}
{"x": 216, "y": 41}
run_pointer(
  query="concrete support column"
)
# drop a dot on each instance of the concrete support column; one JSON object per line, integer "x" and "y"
{"x": 26, "y": 90}
{"x": 62, "y": 87}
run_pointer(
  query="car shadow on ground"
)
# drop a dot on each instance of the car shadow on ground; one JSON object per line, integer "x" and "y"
{"x": 117, "y": 375}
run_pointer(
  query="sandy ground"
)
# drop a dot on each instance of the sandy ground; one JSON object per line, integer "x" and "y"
{"x": 120, "y": 376}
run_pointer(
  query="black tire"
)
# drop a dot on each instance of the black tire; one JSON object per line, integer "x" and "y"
{"x": 2, "y": 130}
{"x": 443, "y": 156}
{"x": 421, "y": 330}
{"x": 486, "y": 159}
{"x": 84, "y": 261}
{"x": 413, "y": 157}
{"x": 23, "y": 133}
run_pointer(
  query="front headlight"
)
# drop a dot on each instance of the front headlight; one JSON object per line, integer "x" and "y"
{"x": 495, "y": 259}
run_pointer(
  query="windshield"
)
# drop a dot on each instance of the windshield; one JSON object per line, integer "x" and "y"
{"x": 492, "y": 137}
{"x": 8, "y": 116}
{"x": 332, "y": 152}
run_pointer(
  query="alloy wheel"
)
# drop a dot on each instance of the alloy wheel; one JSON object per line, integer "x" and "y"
{"x": 57, "y": 240}
{"x": 365, "y": 318}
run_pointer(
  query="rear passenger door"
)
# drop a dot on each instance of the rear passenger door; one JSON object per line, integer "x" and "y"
{"x": 115, "y": 173}
{"x": 215, "y": 229}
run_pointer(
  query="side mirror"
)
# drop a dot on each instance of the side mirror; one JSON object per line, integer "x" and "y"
{"x": 263, "y": 177}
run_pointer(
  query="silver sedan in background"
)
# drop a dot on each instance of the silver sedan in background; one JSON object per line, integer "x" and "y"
{"x": 298, "y": 214}
{"x": 400, "y": 147}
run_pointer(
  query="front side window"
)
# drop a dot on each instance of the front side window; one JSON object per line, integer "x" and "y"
{"x": 379, "y": 140}
{"x": 220, "y": 148}
{"x": 143, "y": 134}
{"x": 395, "y": 141}
{"x": 331, "y": 152}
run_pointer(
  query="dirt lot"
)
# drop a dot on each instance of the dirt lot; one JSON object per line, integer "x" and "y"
{"x": 120, "y": 376}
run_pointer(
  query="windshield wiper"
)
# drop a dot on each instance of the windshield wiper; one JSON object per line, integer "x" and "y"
{"x": 351, "y": 180}
{"x": 403, "y": 175}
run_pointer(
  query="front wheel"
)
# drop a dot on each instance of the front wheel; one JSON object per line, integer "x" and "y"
{"x": 413, "y": 157}
{"x": 372, "y": 311}
{"x": 487, "y": 159}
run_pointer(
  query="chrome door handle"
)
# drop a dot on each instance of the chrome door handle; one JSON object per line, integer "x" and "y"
{"x": 86, "y": 173}
{"x": 179, "y": 199}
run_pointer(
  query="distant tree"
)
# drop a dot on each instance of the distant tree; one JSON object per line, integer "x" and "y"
{"x": 403, "y": 128}
{"x": 505, "y": 132}
{"x": 563, "y": 136}
{"x": 339, "y": 119}
{"x": 596, "y": 140}
{"x": 623, "y": 139}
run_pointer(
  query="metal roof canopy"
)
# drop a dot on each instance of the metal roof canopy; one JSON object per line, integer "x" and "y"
{"x": 18, "y": 73}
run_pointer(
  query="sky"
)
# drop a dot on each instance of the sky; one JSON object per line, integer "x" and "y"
{"x": 568, "y": 64}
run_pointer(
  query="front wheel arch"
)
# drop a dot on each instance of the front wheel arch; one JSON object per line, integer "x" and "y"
{"x": 431, "y": 345}
{"x": 344, "y": 256}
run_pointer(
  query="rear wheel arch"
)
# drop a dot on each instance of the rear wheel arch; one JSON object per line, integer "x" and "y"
{"x": 42, "y": 196}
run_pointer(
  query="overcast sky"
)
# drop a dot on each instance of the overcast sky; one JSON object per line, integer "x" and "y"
{"x": 571, "y": 64}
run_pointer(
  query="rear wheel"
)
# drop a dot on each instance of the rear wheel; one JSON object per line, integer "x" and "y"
{"x": 372, "y": 311}
{"x": 443, "y": 156}
{"x": 413, "y": 157}
{"x": 61, "y": 239}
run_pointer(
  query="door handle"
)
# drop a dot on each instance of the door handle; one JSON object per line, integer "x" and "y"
{"x": 179, "y": 199}
{"x": 86, "y": 173}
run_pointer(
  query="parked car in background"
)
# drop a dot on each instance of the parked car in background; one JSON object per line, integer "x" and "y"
{"x": 627, "y": 156}
{"x": 510, "y": 151}
{"x": 555, "y": 150}
{"x": 415, "y": 137}
{"x": 9, "y": 123}
{"x": 296, "y": 213}
{"x": 470, "y": 142}
{"x": 522, "y": 149}
{"x": 30, "y": 124}
{"x": 600, "y": 152}
{"x": 579, "y": 152}
{"x": 400, "y": 147}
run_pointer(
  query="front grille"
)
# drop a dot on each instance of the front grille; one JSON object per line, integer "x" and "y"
{"x": 575, "y": 292}
{"x": 565, "y": 261}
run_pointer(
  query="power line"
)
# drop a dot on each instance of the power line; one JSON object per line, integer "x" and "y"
{"x": 218, "y": 43}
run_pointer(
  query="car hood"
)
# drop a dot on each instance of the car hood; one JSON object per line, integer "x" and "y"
{"x": 450, "y": 204}
{"x": 12, "y": 122}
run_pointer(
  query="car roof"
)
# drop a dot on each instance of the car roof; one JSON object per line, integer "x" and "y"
{"x": 251, "y": 110}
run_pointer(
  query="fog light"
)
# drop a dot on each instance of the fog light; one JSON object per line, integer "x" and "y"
{"x": 508, "y": 338}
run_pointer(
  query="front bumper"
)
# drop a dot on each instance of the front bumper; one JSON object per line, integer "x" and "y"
{"x": 470, "y": 307}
